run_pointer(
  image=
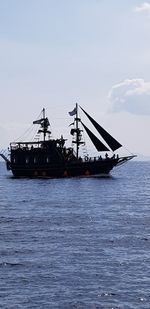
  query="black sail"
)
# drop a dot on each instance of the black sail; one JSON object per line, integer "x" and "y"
{"x": 97, "y": 143}
{"x": 111, "y": 141}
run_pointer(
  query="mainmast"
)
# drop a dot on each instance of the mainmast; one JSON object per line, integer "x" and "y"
{"x": 77, "y": 131}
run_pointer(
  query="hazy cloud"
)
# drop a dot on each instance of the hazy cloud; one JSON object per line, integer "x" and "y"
{"x": 145, "y": 7}
{"x": 131, "y": 95}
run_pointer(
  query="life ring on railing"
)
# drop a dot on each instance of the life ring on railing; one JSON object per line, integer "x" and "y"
{"x": 86, "y": 158}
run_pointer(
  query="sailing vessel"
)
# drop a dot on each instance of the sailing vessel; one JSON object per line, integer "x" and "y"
{"x": 50, "y": 157}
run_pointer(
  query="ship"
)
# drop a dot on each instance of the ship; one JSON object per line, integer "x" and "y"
{"x": 49, "y": 157}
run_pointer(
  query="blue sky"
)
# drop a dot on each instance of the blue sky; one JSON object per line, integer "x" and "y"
{"x": 54, "y": 53}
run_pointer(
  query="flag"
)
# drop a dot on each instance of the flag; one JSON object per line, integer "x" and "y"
{"x": 73, "y": 112}
{"x": 37, "y": 121}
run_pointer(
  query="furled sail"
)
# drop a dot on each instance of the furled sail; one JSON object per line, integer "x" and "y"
{"x": 97, "y": 143}
{"x": 111, "y": 141}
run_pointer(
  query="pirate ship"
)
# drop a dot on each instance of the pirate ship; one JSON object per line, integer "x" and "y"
{"x": 48, "y": 157}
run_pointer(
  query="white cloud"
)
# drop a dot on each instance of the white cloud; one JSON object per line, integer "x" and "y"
{"x": 131, "y": 95}
{"x": 145, "y": 7}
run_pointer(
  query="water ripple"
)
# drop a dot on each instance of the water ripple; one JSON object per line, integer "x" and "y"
{"x": 76, "y": 243}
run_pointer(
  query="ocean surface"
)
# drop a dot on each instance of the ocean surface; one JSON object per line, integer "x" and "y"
{"x": 79, "y": 243}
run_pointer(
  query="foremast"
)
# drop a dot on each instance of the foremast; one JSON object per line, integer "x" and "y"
{"x": 44, "y": 122}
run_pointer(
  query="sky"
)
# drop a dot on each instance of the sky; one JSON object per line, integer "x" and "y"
{"x": 54, "y": 53}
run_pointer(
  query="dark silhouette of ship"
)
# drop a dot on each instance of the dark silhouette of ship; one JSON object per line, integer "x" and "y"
{"x": 49, "y": 157}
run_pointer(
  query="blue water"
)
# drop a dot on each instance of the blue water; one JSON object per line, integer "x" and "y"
{"x": 81, "y": 243}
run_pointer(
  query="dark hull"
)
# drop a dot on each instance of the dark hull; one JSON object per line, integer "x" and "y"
{"x": 73, "y": 169}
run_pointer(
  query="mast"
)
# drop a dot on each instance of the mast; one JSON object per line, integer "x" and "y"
{"x": 77, "y": 131}
{"x": 44, "y": 125}
{"x": 44, "y": 122}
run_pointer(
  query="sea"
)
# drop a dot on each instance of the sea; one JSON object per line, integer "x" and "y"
{"x": 76, "y": 243}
